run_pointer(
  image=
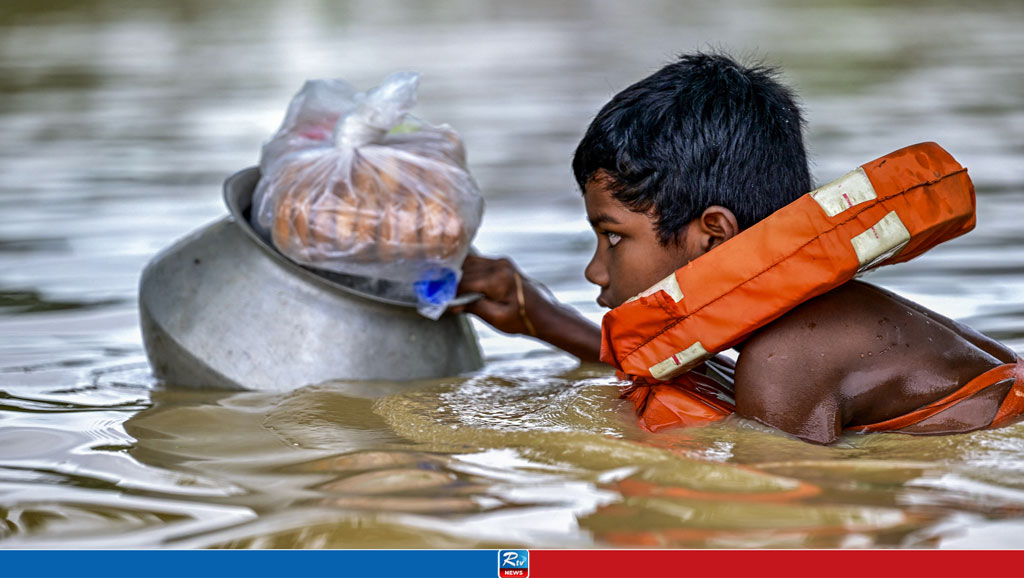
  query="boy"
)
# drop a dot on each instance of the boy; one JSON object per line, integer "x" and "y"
{"x": 683, "y": 161}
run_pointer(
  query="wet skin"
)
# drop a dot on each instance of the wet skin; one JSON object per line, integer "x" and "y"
{"x": 859, "y": 355}
{"x": 856, "y": 355}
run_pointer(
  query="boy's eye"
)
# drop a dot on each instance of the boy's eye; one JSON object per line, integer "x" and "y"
{"x": 613, "y": 238}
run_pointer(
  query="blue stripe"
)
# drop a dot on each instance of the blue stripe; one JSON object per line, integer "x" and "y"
{"x": 249, "y": 563}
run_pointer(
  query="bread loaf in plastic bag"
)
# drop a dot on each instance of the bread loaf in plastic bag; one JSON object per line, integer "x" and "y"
{"x": 353, "y": 184}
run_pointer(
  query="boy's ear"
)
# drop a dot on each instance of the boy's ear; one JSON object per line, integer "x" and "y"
{"x": 717, "y": 225}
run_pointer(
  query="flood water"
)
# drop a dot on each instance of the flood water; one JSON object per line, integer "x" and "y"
{"x": 120, "y": 121}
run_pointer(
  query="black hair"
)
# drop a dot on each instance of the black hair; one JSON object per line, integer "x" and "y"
{"x": 702, "y": 131}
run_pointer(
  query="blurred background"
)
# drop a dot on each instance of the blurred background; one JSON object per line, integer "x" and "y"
{"x": 121, "y": 120}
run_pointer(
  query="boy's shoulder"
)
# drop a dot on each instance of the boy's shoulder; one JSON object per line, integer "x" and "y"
{"x": 788, "y": 372}
{"x": 855, "y": 355}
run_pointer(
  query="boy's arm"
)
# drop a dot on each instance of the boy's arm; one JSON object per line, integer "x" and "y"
{"x": 785, "y": 380}
{"x": 780, "y": 401}
{"x": 514, "y": 304}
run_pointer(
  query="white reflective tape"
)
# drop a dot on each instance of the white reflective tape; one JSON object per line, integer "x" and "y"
{"x": 679, "y": 362}
{"x": 668, "y": 285}
{"x": 881, "y": 241}
{"x": 847, "y": 191}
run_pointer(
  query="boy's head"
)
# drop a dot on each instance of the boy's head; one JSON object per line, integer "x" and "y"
{"x": 683, "y": 160}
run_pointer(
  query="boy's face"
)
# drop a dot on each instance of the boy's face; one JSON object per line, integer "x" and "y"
{"x": 629, "y": 257}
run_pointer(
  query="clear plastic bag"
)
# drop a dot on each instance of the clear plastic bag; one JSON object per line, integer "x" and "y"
{"x": 353, "y": 184}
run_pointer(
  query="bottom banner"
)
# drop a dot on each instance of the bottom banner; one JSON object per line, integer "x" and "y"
{"x": 512, "y": 563}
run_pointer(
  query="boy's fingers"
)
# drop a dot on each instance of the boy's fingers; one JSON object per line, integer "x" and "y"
{"x": 483, "y": 266}
{"x": 490, "y": 311}
{"x": 473, "y": 263}
{"x": 475, "y": 285}
{"x": 493, "y": 287}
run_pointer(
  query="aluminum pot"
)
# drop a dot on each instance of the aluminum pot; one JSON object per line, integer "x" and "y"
{"x": 223, "y": 309}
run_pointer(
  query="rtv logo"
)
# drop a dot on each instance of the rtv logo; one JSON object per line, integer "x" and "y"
{"x": 513, "y": 563}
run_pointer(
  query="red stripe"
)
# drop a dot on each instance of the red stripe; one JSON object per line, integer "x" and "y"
{"x": 675, "y": 359}
{"x": 775, "y": 563}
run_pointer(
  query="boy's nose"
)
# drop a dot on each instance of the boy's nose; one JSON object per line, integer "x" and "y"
{"x": 596, "y": 273}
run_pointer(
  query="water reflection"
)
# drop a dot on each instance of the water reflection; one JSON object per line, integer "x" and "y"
{"x": 122, "y": 119}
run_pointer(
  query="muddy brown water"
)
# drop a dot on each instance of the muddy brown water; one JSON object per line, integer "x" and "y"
{"x": 121, "y": 120}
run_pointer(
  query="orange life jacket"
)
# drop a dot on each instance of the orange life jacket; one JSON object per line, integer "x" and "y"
{"x": 887, "y": 211}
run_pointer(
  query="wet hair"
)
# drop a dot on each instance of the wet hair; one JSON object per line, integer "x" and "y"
{"x": 704, "y": 130}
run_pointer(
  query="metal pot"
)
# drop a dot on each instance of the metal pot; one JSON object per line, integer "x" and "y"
{"x": 223, "y": 309}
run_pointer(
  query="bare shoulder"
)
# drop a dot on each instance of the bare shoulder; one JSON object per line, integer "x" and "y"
{"x": 787, "y": 371}
{"x": 855, "y": 355}
{"x": 992, "y": 347}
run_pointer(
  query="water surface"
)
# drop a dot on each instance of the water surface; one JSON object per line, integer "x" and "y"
{"x": 121, "y": 120}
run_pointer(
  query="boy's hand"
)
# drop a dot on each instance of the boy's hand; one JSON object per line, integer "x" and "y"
{"x": 512, "y": 303}
{"x": 508, "y": 304}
